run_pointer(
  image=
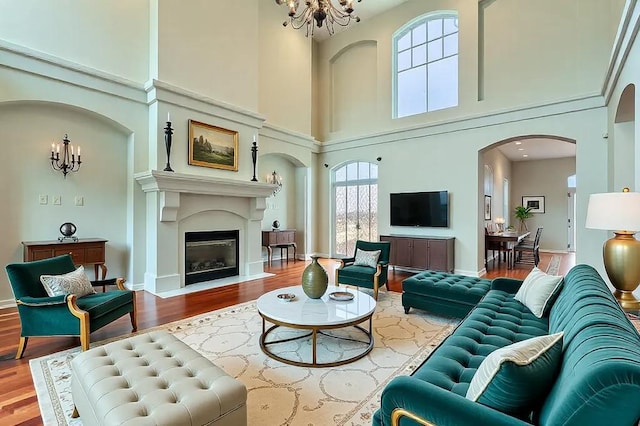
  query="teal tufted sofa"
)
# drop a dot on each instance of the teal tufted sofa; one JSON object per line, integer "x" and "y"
{"x": 598, "y": 382}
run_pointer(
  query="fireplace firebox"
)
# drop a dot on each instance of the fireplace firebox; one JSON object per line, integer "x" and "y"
{"x": 210, "y": 255}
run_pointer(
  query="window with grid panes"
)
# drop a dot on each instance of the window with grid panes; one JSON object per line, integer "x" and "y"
{"x": 426, "y": 65}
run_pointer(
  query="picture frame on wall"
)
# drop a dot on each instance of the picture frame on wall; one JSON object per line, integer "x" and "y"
{"x": 212, "y": 146}
{"x": 534, "y": 202}
{"x": 487, "y": 207}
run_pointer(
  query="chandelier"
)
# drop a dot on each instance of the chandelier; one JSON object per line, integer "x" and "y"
{"x": 320, "y": 12}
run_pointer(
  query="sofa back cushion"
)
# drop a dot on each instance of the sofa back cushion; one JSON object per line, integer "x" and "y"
{"x": 599, "y": 381}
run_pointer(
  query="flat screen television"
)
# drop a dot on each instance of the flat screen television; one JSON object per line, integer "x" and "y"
{"x": 426, "y": 209}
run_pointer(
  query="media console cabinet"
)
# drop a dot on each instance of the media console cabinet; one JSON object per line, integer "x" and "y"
{"x": 421, "y": 252}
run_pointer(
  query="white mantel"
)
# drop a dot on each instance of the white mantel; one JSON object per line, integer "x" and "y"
{"x": 179, "y": 202}
{"x": 156, "y": 180}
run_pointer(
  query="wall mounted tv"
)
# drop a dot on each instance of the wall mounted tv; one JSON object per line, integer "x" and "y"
{"x": 426, "y": 209}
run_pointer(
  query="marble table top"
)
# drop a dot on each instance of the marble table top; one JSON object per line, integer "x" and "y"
{"x": 325, "y": 311}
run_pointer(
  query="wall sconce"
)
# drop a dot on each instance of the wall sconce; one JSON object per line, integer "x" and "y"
{"x": 275, "y": 179}
{"x": 68, "y": 161}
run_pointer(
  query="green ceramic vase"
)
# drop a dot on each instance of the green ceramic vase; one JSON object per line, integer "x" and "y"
{"x": 314, "y": 279}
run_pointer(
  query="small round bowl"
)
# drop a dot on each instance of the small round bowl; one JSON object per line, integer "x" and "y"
{"x": 286, "y": 297}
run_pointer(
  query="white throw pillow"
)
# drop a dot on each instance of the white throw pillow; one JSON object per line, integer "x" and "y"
{"x": 512, "y": 379}
{"x": 367, "y": 258}
{"x": 75, "y": 282}
{"x": 538, "y": 290}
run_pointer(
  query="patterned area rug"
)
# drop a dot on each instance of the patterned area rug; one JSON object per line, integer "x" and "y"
{"x": 554, "y": 265}
{"x": 280, "y": 394}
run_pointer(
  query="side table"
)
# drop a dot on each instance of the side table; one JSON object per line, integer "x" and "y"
{"x": 279, "y": 239}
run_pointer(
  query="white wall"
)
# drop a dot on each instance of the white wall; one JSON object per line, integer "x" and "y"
{"x": 559, "y": 52}
{"x": 198, "y": 45}
{"x": 93, "y": 34}
{"x": 546, "y": 178}
{"x": 501, "y": 167}
{"x": 29, "y": 130}
{"x": 284, "y": 71}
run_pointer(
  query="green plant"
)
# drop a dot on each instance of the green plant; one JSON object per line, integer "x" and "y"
{"x": 522, "y": 214}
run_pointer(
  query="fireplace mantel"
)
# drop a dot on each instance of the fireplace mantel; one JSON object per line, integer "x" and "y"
{"x": 178, "y": 203}
{"x": 159, "y": 181}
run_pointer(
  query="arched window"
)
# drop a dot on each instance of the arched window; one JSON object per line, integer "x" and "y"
{"x": 425, "y": 64}
{"x": 355, "y": 205}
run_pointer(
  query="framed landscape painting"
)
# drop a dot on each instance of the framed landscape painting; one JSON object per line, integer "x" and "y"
{"x": 212, "y": 146}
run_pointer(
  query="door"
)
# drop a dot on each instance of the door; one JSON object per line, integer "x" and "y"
{"x": 355, "y": 206}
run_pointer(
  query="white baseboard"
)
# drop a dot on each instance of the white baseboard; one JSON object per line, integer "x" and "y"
{"x": 8, "y": 303}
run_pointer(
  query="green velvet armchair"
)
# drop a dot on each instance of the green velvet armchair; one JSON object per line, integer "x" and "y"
{"x": 65, "y": 315}
{"x": 365, "y": 276}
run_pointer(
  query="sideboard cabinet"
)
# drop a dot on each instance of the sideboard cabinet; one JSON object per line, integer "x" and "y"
{"x": 85, "y": 251}
{"x": 434, "y": 253}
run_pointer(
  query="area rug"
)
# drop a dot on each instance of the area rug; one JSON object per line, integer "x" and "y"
{"x": 279, "y": 394}
{"x": 554, "y": 265}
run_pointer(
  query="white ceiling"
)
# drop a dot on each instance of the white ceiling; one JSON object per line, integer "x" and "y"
{"x": 365, "y": 9}
{"x": 537, "y": 149}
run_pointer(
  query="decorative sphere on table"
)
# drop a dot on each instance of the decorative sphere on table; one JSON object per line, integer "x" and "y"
{"x": 314, "y": 279}
{"x": 67, "y": 229}
{"x": 275, "y": 224}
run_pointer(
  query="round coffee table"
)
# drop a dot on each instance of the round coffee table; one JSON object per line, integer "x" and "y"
{"x": 315, "y": 315}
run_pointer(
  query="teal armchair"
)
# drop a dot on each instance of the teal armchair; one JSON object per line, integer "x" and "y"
{"x": 365, "y": 276}
{"x": 65, "y": 315}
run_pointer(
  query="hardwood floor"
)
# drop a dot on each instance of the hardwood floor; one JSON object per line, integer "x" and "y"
{"x": 18, "y": 402}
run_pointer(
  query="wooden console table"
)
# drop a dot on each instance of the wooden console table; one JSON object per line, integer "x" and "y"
{"x": 85, "y": 251}
{"x": 279, "y": 239}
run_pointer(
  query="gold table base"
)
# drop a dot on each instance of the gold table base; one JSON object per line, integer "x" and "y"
{"x": 314, "y": 330}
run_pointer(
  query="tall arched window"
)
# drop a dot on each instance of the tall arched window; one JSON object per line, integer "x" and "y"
{"x": 355, "y": 205}
{"x": 425, "y": 64}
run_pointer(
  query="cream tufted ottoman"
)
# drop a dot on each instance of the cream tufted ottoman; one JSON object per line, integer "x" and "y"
{"x": 154, "y": 379}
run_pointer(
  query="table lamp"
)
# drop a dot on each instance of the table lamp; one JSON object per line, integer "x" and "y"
{"x": 619, "y": 212}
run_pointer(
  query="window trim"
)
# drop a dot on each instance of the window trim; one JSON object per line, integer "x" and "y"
{"x": 398, "y": 34}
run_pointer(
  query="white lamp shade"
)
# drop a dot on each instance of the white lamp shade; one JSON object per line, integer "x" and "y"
{"x": 614, "y": 211}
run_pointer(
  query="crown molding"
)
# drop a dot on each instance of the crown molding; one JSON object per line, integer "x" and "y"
{"x": 158, "y": 90}
{"x": 470, "y": 122}
{"x": 290, "y": 137}
{"x": 24, "y": 59}
{"x": 625, "y": 37}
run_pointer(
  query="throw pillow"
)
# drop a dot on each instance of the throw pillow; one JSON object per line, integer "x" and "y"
{"x": 515, "y": 378}
{"x": 367, "y": 258}
{"x": 538, "y": 291}
{"x": 75, "y": 282}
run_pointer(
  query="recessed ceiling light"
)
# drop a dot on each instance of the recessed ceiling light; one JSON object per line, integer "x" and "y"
{"x": 518, "y": 143}
{"x": 525, "y": 155}
{"x": 520, "y": 149}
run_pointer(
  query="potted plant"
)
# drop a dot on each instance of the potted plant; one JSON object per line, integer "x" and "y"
{"x": 522, "y": 214}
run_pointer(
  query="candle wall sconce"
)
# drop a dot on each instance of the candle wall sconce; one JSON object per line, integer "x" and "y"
{"x": 68, "y": 162}
{"x": 275, "y": 179}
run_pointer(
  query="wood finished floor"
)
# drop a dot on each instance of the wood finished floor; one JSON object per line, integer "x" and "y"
{"x": 18, "y": 402}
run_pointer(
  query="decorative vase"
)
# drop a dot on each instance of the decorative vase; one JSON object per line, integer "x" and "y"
{"x": 314, "y": 279}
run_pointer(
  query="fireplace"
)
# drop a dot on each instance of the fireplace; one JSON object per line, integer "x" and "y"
{"x": 210, "y": 255}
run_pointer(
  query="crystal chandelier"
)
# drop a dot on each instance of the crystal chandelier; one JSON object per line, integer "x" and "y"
{"x": 321, "y": 12}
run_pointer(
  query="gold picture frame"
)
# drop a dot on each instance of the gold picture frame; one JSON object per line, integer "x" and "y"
{"x": 212, "y": 146}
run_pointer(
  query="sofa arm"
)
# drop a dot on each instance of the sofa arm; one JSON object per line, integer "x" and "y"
{"x": 434, "y": 405}
{"x": 508, "y": 285}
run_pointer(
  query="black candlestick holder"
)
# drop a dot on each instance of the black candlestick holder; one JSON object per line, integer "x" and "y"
{"x": 254, "y": 158}
{"x": 168, "y": 131}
